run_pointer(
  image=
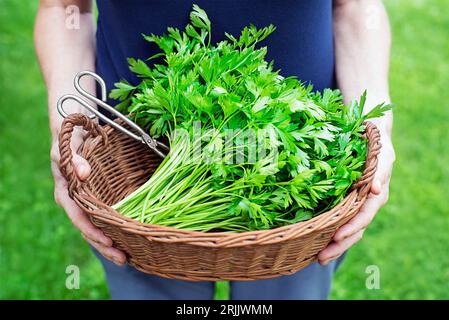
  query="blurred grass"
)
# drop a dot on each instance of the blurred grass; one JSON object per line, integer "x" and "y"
{"x": 408, "y": 241}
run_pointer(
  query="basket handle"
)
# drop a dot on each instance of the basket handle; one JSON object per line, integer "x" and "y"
{"x": 65, "y": 149}
{"x": 374, "y": 146}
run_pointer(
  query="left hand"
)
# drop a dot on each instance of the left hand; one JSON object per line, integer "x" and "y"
{"x": 352, "y": 232}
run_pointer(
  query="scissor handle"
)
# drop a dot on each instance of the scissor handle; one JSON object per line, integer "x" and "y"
{"x": 143, "y": 136}
{"x": 95, "y": 112}
{"x": 78, "y": 87}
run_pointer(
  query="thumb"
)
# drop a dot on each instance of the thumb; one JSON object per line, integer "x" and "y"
{"x": 82, "y": 167}
{"x": 376, "y": 187}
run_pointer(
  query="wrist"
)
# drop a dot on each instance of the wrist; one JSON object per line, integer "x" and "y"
{"x": 384, "y": 124}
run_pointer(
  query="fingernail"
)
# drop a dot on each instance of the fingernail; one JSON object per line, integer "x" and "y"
{"x": 85, "y": 169}
{"x": 117, "y": 262}
{"x": 344, "y": 236}
{"x": 377, "y": 185}
{"x": 81, "y": 169}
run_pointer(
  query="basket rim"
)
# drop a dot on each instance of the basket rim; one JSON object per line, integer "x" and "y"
{"x": 346, "y": 208}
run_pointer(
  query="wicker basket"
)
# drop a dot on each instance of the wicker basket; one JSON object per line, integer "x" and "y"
{"x": 121, "y": 164}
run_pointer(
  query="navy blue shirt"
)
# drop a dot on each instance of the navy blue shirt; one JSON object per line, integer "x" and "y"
{"x": 301, "y": 46}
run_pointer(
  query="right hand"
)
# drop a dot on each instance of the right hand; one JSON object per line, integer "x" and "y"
{"x": 90, "y": 233}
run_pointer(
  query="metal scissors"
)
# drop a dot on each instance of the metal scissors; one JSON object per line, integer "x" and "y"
{"x": 140, "y": 136}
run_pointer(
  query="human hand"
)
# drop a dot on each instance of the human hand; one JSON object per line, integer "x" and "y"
{"x": 350, "y": 233}
{"x": 90, "y": 233}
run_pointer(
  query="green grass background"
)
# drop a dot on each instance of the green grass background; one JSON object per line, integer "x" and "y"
{"x": 408, "y": 241}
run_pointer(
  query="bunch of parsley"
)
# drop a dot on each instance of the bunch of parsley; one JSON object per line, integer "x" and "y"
{"x": 312, "y": 147}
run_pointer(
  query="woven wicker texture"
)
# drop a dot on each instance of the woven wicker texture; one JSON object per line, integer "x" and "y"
{"x": 120, "y": 165}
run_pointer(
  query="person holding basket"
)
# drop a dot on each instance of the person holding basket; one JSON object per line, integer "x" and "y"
{"x": 341, "y": 44}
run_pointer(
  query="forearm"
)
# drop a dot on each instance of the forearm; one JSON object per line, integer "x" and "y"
{"x": 362, "y": 53}
{"x": 63, "y": 51}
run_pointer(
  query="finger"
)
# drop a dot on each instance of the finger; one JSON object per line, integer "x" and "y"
{"x": 110, "y": 253}
{"x": 336, "y": 249}
{"x": 362, "y": 219}
{"x": 82, "y": 167}
{"x": 60, "y": 181}
{"x": 383, "y": 172}
{"x": 381, "y": 179}
{"x": 80, "y": 220}
{"x": 376, "y": 186}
